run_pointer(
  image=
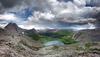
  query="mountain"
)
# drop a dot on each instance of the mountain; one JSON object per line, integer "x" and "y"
{"x": 13, "y": 28}
{"x": 2, "y": 31}
{"x": 18, "y": 42}
{"x": 32, "y": 33}
{"x": 13, "y": 43}
{"x": 92, "y": 35}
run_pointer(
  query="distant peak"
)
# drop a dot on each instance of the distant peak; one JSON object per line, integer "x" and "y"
{"x": 12, "y": 27}
{"x": 12, "y": 23}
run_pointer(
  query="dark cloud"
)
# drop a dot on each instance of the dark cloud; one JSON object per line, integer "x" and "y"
{"x": 93, "y": 3}
{"x": 65, "y": 0}
{"x": 8, "y": 3}
{"x": 97, "y": 17}
{"x": 61, "y": 13}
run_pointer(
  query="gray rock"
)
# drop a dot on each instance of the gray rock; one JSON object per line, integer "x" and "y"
{"x": 92, "y": 35}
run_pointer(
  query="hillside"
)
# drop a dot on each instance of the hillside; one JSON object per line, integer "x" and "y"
{"x": 17, "y": 42}
{"x": 88, "y": 35}
{"x": 13, "y": 43}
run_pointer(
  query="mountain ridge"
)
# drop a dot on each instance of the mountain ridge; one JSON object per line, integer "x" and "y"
{"x": 14, "y": 42}
{"x": 88, "y": 35}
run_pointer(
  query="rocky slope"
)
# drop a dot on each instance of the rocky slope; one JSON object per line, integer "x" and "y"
{"x": 14, "y": 42}
{"x": 88, "y": 35}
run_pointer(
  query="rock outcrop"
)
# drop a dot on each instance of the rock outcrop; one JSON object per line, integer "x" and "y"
{"x": 88, "y": 35}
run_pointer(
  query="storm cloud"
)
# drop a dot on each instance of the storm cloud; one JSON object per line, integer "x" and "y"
{"x": 51, "y": 13}
{"x": 8, "y": 3}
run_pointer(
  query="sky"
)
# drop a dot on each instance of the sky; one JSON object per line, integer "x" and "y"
{"x": 51, "y": 14}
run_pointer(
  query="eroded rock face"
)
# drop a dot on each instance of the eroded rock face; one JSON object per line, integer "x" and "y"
{"x": 88, "y": 35}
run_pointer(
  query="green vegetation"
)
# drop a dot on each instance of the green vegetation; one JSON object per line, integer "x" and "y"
{"x": 34, "y": 36}
{"x": 62, "y": 35}
{"x": 67, "y": 40}
{"x": 45, "y": 39}
{"x": 88, "y": 45}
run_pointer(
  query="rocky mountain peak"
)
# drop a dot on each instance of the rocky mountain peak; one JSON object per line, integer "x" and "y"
{"x": 12, "y": 27}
